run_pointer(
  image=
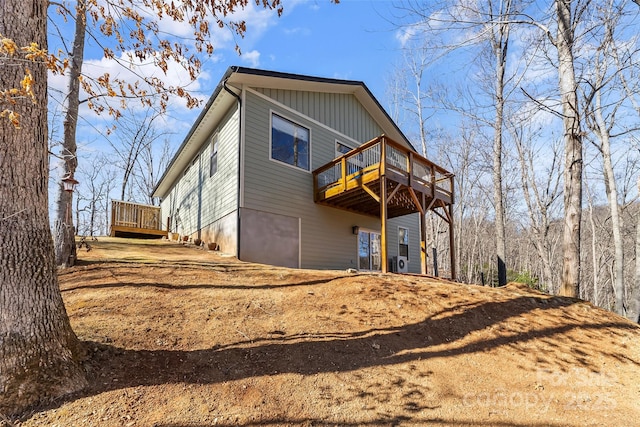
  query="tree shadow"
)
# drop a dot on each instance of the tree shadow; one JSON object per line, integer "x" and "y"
{"x": 186, "y": 287}
{"x": 445, "y": 334}
{"x": 383, "y": 421}
{"x": 438, "y": 336}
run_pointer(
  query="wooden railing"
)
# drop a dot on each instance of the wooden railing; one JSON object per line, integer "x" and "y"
{"x": 363, "y": 165}
{"x": 134, "y": 217}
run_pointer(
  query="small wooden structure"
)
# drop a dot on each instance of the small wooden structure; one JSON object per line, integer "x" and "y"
{"x": 133, "y": 219}
{"x": 383, "y": 178}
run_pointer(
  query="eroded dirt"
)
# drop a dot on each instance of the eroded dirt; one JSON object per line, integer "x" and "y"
{"x": 181, "y": 336}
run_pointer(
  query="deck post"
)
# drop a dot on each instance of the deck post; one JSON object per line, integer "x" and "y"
{"x": 383, "y": 207}
{"x": 452, "y": 244}
{"x": 383, "y": 225}
{"x": 423, "y": 243}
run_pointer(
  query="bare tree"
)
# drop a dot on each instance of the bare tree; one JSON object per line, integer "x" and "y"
{"x": 486, "y": 28}
{"x": 567, "y": 21}
{"x": 95, "y": 175}
{"x": 633, "y": 313}
{"x": 540, "y": 190}
{"x": 499, "y": 38}
{"x": 135, "y": 134}
{"x": 602, "y": 131}
{"x": 65, "y": 247}
{"x": 150, "y": 165}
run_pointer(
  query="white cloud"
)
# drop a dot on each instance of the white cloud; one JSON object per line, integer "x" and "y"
{"x": 252, "y": 57}
{"x": 297, "y": 31}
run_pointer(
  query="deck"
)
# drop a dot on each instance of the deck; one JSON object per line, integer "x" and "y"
{"x": 383, "y": 178}
{"x": 133, "y": 219}
{"x": 352, "y": 181}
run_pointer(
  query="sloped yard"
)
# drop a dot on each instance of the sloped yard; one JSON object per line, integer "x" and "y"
{"x": 180, "y": 336}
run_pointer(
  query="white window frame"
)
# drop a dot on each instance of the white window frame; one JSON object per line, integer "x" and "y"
{"x": 339, "y": 153}
{"x": 296, "y": 123}
{"x": 406, "y": 229}
{"x": 369, "y": 231}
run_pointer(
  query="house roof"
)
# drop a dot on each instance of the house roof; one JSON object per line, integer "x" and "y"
{"x": 221, "y": 100}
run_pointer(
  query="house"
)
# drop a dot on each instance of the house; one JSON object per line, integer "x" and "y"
{"x": 285, "y": 169}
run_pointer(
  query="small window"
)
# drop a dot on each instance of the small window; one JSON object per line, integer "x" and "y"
{"x": 342, "y": 149}
{"x": 289, "y": 142}
{"x": 403, "y": 242}
{"x": 213, "y": 159}
{"x": 354, "y": 163}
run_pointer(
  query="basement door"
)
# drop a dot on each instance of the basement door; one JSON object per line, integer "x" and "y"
{"x": 369, "y": 251}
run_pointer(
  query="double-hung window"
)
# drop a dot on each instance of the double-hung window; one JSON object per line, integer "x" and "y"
{"x": 290, "y": 142}
{"x": 403, "y": 242}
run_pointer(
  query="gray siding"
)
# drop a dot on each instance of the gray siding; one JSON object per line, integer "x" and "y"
{"x": 342, "y": 112}
{"x": 201, "y": 202}
{"x": 412, "y": 222}
{"x": 326, "y": 238}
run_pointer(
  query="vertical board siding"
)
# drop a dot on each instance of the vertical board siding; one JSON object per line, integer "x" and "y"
{"x": 198, "y": 199}
{"x": 326, "y": 240}
{"x": 342, "y": 112}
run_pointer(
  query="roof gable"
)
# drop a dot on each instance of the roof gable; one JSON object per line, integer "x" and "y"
{"x": 221, "y": 100}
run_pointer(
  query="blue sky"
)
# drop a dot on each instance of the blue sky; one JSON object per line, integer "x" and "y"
{"x": 351, "y": 40}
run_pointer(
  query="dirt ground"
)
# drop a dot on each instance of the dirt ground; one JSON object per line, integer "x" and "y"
{"x": 180, "y": 336}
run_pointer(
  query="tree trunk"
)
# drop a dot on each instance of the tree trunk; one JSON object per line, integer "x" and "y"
{"x": 612, "y": 196}
{"x": 64, "y": 236}
{"x": 38, "y": 349}
{"x": 570, "y": 284}
{"x": 500, "y": 48}
{"x": 594, "y": 257}
{"x": 633, "y": 313}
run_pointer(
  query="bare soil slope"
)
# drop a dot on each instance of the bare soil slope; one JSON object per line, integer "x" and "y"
{"x": 180, "y": 336}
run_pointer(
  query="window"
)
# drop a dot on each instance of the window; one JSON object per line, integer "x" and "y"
{"x": 354, "y": 163}
{"x": 342, "y": 149}
{"x": 403, "y": 242}
{"x": 213, "y": 158}
{"x": 289, "y": 142}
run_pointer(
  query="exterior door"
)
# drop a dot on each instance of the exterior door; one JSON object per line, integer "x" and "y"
{"x": 369, "y": 254}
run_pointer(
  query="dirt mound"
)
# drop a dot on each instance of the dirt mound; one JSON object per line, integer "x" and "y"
{"x": 180, "y": 336}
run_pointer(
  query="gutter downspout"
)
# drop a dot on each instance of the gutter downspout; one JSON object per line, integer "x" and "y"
{"x": 237, "y": 97}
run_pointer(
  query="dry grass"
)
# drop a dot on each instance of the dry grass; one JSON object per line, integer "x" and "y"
{"x": 180, "y": 336}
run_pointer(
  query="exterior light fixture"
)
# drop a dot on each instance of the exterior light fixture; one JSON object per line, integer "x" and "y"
{"x": 68, "y": 183}
{"x": 355, "y": 229}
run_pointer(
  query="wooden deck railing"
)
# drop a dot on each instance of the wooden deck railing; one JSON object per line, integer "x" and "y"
{"x": 130, "y": 217}
{"x": 363, "y": 165}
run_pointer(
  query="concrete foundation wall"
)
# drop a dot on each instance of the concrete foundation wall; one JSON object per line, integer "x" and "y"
{"x": 269, "y": 238}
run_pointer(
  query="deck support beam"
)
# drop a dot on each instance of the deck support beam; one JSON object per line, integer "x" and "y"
{"x": 451, "y": 244}
{"x": 383, "y": 210}
{"x": 371, "y": 193}
{"x": 423, "y": 243}
{"x": 388, "y": 186}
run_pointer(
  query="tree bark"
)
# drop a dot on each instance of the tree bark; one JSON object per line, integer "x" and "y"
{"x": 612, "y": 196}
{"x": 64, "y": 234}
{"x": 500, "y": 44}
{"x": 633, "y": 313}
{"x": 38, "y": 350}
{"x": 570, "y": 284}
